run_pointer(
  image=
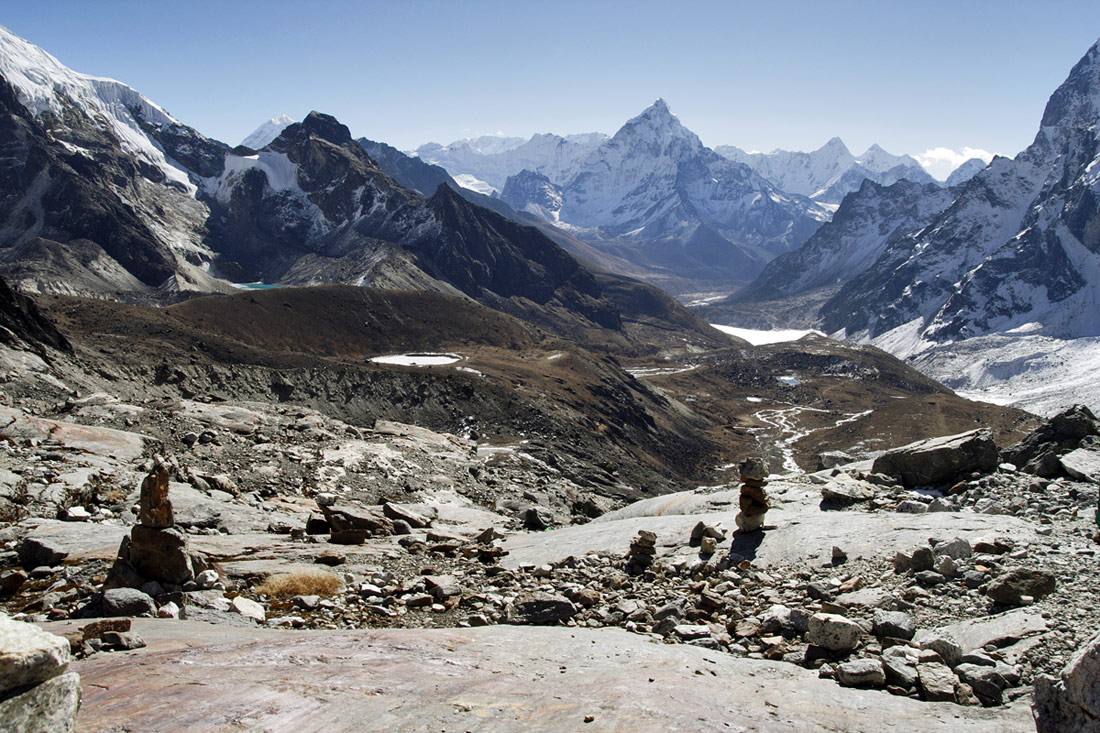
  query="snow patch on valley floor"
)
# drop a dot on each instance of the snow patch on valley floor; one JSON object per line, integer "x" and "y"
{"x": 417, "y": 360}
{"x": 660, "y": 371}
{"x": 760, "y": 338}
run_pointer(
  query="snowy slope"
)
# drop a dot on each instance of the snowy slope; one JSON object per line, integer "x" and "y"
{"x": 44, "y": 84}
{"x": 855, "y": 238}
{"x": 267, "y": 132}
{"x": 492, "y": 160}
{"x": 1000, "y": 290}
{"x": 965, "y": 172}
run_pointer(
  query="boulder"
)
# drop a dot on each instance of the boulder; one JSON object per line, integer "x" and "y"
{"x": 50, "y": 706}
{"x": 861, "y": 673}
{"x": 29, "y": 655}
{"x": 1082, "y": 464}
{"x": 937, "y": 682}
{"x": 894, "y": 624}
{"x": 956, "y": 549}
{"x": 127, "y": 602}
{"x": 122, "y": 641}
{"x": 832, "y": 459}
{"x": 943, "y": 643}
{"x": 415, "y": 519}
{"x": 249, "y": 608}
{"x": 986, "y": 682}
{"x": 843, "y": 490}
{"x": 1038, "y": 452}
{"x": 833, "y": 632}
{"x": 159, "y": 554}
{"x": 346, "y": 516}
{"x": 37, "y": 551}
{"x": 1015, "y": 587}
{"x": 940, "y": 460}
{"x": 542, "y": 608}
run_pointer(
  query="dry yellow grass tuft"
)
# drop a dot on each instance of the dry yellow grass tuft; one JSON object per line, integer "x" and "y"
{"x": 304, "y": 582}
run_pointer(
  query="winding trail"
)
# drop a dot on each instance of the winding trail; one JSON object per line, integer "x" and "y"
{"x": 784, "y": 422}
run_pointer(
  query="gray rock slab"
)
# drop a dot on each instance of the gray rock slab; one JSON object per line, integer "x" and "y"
{"x": 50, "y": 706}
{"x": 1082, "y": 464}
{"x": 82, "y": 540}
{"x": 1000, "y": 629}
{"x": 801, "y": 531}
{"x": 98, "y": 441}
{"x": 500, "y": 678}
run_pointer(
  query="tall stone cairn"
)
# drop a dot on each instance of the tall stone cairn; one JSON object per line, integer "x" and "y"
{"x": 155, "y": 549}
{"x": 754, "y": 500}
{"x": 156, "y": 507}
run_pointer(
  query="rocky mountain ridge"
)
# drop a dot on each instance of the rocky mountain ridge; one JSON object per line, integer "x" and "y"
{"x": 108, "y": 195}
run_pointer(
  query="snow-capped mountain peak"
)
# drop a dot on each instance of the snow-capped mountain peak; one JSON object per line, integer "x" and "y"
{"x": 658, "y": 118}
{"x": 878, "y": 160}
{"x": 835, "y": 146}
{"x": 267, "y": 132}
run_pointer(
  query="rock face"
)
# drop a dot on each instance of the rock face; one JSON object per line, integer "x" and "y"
{"x": 36, "y": 551}
{"x": 127, "y": 602}
{"x": 1039, "y": 452}
{"x": 36, "y": 694}
{"x": 22, "y": 324}
{"x": 953, "y": 286}
{"x": 1072, "y": 702}
{"x": 940, "y": 460}
{"x": 162, "y": 209}
{"x": 831, "y": 172}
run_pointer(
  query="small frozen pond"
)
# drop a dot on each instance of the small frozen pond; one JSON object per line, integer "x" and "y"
{"x": 417, "y": 360}
{"x": 789, "y": 379}
{"x": 256, "y": 286}
{"x": 759, "y": 338}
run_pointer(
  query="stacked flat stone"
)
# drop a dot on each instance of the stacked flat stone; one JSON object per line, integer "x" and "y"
{"x": 754, "y": 500}
{"x": 642, "y": 549}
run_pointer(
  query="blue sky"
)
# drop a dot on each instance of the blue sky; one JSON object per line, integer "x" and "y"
{"x": 910, "y": 76}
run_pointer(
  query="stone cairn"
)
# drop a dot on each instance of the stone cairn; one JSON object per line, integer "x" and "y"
{"x": 155, "y": 549}
{"x": 754, "y": 500}
{"x": 706, "y": 538}
{"x": 642, "y": 549}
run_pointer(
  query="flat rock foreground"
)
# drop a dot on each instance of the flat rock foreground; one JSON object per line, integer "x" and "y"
{"x": 198, "y": 676}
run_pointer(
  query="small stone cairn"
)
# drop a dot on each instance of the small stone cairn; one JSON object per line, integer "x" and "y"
{"x": 754, "y": 500}
{"x": 642, "y": 549}
{"x": 155, "y": 549}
